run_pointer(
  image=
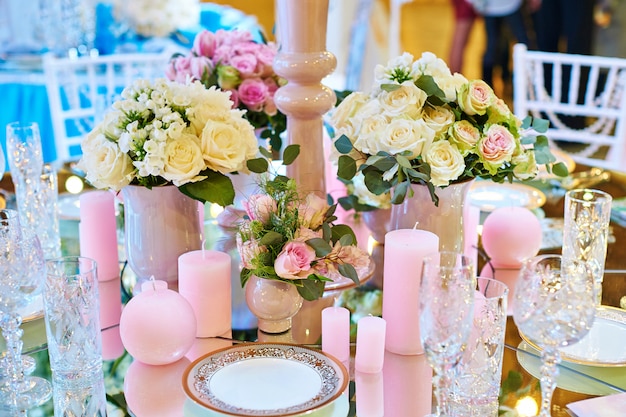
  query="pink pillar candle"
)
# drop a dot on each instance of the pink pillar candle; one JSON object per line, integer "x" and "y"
{"x": 336, "y": 332}
{"x": 98, "y": 233}
{"x": 405, "y": 250}
{"x": 370, "y": 344}
{"x": 204, "y": 281}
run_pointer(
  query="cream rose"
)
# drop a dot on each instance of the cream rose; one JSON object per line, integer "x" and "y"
{"x": 496, "y": 147}
{"x": 405, "y": 135}
{"x": 227, "y": 144}
{"x": 446, "y": 163}
{"x": 183, "y": 160}
{"x": 106, "y": 166}
{"x": 475, "y": 97}
{"x": 451, "y": 85}
{"x": 439, "y": 118}
{"x": 464, "y": 135}
{"x": 311, "y": 211}
{"x": 406, "y": 101}
{"x": 525, "y": 165}
{"x": 348, "y": 108}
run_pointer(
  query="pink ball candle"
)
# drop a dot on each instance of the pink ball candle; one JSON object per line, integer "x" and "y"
{"x": 405, "y": 250}
{"x": 98, "y": 232}
{"x": 511, "y": 235}
{"x": 336, "y": 332}
{"x": 204, "y": 281}
{"x": 370, "y": 344}
{"x": 158, "y": 325}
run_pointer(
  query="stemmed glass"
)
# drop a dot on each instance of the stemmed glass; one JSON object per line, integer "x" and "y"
{"x": 446, "y": 312}
{"x": 21, "y": 276}
{"x": 554, "y": 306}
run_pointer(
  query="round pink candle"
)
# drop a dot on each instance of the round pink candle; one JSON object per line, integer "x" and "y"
{"x": 204, "y": 281}
{"x": 370, "y": 344}
{"x": 98, "y": 232}
{"x": 336, "y": 332}
{"x": 405, "y": 250}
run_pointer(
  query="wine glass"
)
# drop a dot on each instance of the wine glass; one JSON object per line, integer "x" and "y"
{"x": 446, "y": 311}
{"x": 2, "y": 163}
{"x": 21, "y": 276}
{"x": 554, "y": 306}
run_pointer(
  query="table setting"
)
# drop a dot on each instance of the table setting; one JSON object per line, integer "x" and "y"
{"x": 124, "y": 287}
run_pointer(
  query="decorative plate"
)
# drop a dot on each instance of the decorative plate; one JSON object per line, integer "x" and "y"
{"x": 488, "y": 195}
{"x": 603, "y": 346}
{"x": 265, "y": 379}
{"x": 590, "y": 380}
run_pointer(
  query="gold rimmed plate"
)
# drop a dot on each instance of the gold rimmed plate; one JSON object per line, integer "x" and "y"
{"x": 265, "y": 379}
{"x": 603, "y": 346}
{"x": 489, "y": 195}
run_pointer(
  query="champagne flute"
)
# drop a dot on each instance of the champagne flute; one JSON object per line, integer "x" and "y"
{"x": 446, "y": 313}
{"x": 554, "y": 307}
{"x": 21, "y": 278}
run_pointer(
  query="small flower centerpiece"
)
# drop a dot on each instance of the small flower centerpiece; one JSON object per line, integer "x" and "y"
{"x": 233, "y": 61}
{"x": 421, "y": 124}
{"x": 158, "y": 18}
{"x": 163, "y": 133}
{"x": 292, "y": 238}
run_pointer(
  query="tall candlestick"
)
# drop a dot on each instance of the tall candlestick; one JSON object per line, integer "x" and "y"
{"x": 204, "y": 281}
{"x": 405, "y": 250}
{"x": 303, "y": 61}
{"x": 336, "y": 332}
{"x": 98, "y": 232}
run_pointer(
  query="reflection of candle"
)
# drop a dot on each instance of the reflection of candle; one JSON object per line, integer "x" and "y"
{"x": 155, "y": 390}
{"x": 471, "y": 220}
{"x": 204, "y": 281}
{"x": 98, "y": 232}
{"x": 407, "y": 385}
{"x": 112, "y": 346}
{"x": 336, "y": 332}
{"x": 370, "y": 344}
{"x": 405, "y": 250}
{"x": 369, "y": 399}
{"x": 110, "y": 313}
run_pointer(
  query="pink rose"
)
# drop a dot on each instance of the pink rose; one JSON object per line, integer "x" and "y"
{"x": 497, "y": 146}
{"x": 266, "y": 54}
{"x": 475, "y": 97}
{"x": 222, "y": 55}
{"x": 311, "y": 211}
{"x": 204, "y": 44}
{"x": 234, "y": 97}
{"x": 271, "y": 84}
{"x": 253, "y": 93}
{"x": 199, "y": 66}
{"x": 260, "y": 207}
{"x": 245, "y": 64}
{"x": 294, "y": 261}
{"x": 232, "y": 37}
{"x": 178, "y": 69}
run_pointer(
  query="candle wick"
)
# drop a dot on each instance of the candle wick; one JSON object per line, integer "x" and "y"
{"x": 203, "y": 249}
{"x": 152, "y": 280}
{"x": 415, "y": 227}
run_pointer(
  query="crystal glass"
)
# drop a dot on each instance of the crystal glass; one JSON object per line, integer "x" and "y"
{"x": 24, "y": 152}
{"x": 554, "y": 306}
{"x": 476, "y": 379}
{"x": 586, "y": 230}
{"x": 446, "y": 310}
{"x": 21, "y": 276}
{"x": 72, "y": 317}
{"x": 2, "y": 163}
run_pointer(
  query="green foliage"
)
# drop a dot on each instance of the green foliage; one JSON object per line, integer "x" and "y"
{"x": 216, "y": 189}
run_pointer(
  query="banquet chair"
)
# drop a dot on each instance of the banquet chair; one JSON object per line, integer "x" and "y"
{"x": 81, "y": 89}
{"x": 582, "y": 96}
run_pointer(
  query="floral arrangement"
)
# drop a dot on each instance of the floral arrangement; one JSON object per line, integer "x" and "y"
{"x": 157, "y": 17}
{"x": 233, "y": 61}
{"x": 288, "y": 237}
{"x": 423, "y": 124}
{"x": 162, "y": 132}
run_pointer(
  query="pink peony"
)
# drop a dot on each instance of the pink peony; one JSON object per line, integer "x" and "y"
{"x": 260, "y": 207}
{"x": 294, "y": 261}
{"x": 204, "y": 44}
{"x": 497, "y": 146}
{"x": 253, "y": 93}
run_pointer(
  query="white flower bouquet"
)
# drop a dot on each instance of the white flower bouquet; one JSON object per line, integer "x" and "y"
{"x": 163, "y": 132}
{"x": 423, "y": 124}
{"x": 157, "y": 17}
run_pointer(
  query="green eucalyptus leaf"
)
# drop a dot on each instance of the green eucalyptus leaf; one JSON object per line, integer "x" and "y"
{"x": 348, "y": 271}
{"x": 541, "y": 125}
{"x": 526, "y": 123}
{"x": 346, "y": 167}
{"x": 403, "y": 161}
{"x": 216, "y": 188}
{"x": 326, "y": 232}
{"x": 399, "y": 192}
{"x": 346, "y": 240}
{"x": 542, "y": 151}
{"x": 258, "y": 165}
{"x": 311, "y": 290}
{"x": 290, "y": 154}
{"x": 320, "y": 246}
{"x": 375, "y": 183}
{"x": 244, "y": 276}
{"x": 385, "y": 164}
{"x": 429, "y": 86}
{"x": 271, "y": 238}
{"x": 343, "y": 145}
{"x": 265, "y": 152}
{"x": 560, "y": 169}
{"x": 389, "y": 87}
{"x": 341, "y": 230}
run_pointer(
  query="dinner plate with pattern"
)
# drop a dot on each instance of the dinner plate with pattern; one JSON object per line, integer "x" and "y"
{"x": 265, "y": 379}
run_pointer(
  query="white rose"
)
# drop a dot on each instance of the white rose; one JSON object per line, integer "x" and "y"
{"x": 438, "y": 118}
{"x": 446, "y": 163}
{"x": 348, "y": 108}
{"x": 215, "y": 104}
{"x": 183, "y": 160}
{"x": 105, "y": 165}
{"x": 405, "y": 135}
{"x": 227, "y": 144}
{"x": 407, "y": 100}
{"x": 429, "y": 64}
{"x": 451, "y": 85}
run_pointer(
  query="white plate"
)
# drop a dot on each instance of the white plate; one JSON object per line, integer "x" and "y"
{"x": 590, "y": 380}
{"x": 603, "y": 346}
{"x": 489, "y": 195}
{"x": 279, "y": 380}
